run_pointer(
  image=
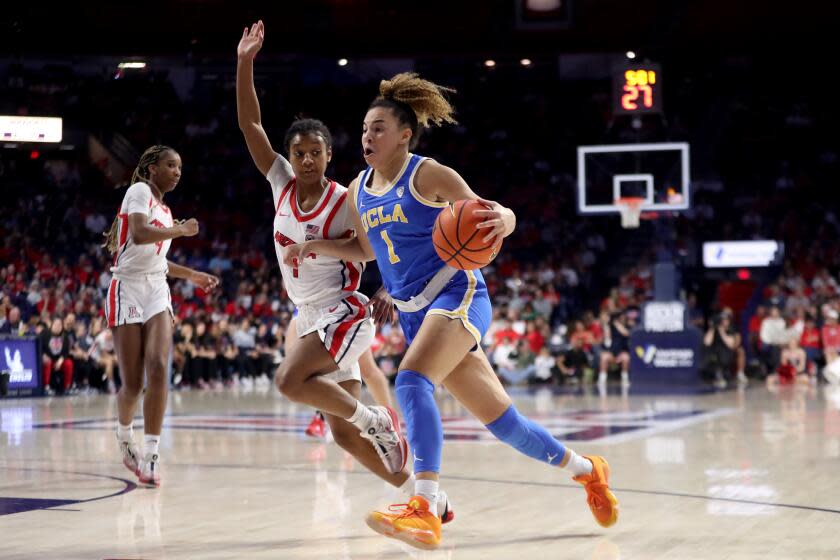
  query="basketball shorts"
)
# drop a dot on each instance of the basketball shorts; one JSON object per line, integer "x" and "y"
{"x": 137, "y": 299}
{"x": 345, "y": 328}
{"x": 464, "y": 298}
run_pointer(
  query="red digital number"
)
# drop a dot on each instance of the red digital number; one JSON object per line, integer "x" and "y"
{"x": 647, "y": 97}
{"x": 628, "y": 100}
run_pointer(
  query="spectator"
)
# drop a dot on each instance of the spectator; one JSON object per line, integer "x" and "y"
{"x": 535, "y": 339}
{"x": 103, "y": 355}
{"x": 792, "y": 365}
{"x": 720, "y": 344}
{"x": 523, "y": 366}
{"x": 84, "y": 368}
{"x": 55, "y": 343}
{"x": 831, "y": 337}
{"x": 810, "y": 341}
{"x": 574, "y": 363}
{"x": 246, "y": 353}
{"x": 754, "y": 329}
{"x": 206, "y": 356}
{"x": 502, "y": 354}
{"x": 267, "y": 348}
{"x": 773, "y": 335}
{"x": 183, "y": 356}
{"x": 544, "y": 364}
{"x": 13, "y": 325}
{"x": 616, "y": 348}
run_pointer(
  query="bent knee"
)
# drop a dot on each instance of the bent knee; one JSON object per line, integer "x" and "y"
{"x": 288, "y": 384}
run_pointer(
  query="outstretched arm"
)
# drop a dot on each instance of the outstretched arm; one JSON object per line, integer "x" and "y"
{"x": 247, "y": 104}
{"x": 356, "y": 248}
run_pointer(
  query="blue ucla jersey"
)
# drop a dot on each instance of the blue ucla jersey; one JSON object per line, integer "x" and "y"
{"x": 398, "y": 222}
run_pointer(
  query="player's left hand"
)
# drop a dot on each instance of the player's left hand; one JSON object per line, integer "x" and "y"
{"x": 382, "y": 306}
{"x": 500, "y": 220}
{"x": 205, "y": 281}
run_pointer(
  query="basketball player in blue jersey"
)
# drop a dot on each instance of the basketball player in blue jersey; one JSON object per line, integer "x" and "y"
{"x": 444, "y": 312}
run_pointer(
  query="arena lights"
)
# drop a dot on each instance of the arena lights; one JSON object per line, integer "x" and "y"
{"x": 490, "y": 63}
{"x": 343, "y": 61}
{"x": 525, "y": 62}
{"x": 137, "y": 65}
{"x": 630, "y": 54}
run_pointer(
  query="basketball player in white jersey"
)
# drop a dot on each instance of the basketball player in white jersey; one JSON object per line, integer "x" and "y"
{"x": 138, "y": 307}
{"x": 332, "y": 327}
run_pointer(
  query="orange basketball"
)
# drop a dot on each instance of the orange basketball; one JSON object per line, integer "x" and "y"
{"x": 458, "y": 242}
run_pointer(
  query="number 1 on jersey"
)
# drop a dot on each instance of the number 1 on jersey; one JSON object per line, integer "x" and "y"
{"x": 392, "y": 256}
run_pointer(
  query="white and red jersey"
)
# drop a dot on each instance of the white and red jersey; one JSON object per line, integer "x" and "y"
{"x": 132, "y": 259}
{"x": 319, "y": 279}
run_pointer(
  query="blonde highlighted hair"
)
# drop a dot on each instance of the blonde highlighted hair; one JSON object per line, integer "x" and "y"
{"x": 141, "y": 173}
{"x": 416, "y": 102}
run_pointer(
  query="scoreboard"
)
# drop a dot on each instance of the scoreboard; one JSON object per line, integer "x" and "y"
{"x": 637, "y": 89}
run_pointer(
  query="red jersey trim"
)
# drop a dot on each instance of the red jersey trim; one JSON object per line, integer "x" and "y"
{"x": 283, "y": 194}
{"x": 333, "y": 212}
{"x": 301, "y": 217}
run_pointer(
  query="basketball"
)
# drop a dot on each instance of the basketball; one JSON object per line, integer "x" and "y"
{"x": 458, "y": 242}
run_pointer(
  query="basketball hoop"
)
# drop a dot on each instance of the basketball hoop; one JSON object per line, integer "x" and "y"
{"x": 631, "y": 209}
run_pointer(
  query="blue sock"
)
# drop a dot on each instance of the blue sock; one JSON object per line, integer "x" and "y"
{"x": 527, "y": 437}
{"x": 416, "y": 395}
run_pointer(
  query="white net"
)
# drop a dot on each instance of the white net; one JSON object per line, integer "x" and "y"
{"x": 631, "y": 210}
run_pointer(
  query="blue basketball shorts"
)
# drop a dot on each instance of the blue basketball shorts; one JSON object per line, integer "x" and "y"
{"x": 465, "y": 298}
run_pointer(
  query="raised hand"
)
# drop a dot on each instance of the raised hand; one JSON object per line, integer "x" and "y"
{"x": 251, "y": 41}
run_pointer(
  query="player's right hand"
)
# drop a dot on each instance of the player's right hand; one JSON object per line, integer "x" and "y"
{"x": 189, "y": 227}
{"x": 292, "y": 254}
{"x": 382, "y": 307}
{"x": 251, "y": 41}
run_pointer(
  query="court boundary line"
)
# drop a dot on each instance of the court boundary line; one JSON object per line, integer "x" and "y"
{"x": 462, "y": 478}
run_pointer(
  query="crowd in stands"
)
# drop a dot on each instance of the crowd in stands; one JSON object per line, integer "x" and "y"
{"x": 562, "y": 307}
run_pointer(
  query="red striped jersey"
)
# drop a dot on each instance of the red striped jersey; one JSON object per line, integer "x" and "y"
{"x": 319, "y": 279}
{"x": 150, "y": 258}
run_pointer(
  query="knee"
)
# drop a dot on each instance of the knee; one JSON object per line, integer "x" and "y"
{"x": 131, "y": 388}
{"x": 288, "y": 385}
{"x": 156, "y": 365}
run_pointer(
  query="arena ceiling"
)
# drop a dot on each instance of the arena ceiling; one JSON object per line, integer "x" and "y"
{"x": 411, "y": 28}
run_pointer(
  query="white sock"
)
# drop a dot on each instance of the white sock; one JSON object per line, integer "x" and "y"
{"x": 407, "y": 487}
{"x": 150, "y": 444}
{"x": 578, "y": 465}
{"x": 363, "y": 417}
{"x": 602, "y": 377}
{"x": 429, "y": 490}
{"x": 125, "y": 433}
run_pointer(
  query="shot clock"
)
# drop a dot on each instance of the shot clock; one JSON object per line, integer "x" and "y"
{"x": 637, "y": 89}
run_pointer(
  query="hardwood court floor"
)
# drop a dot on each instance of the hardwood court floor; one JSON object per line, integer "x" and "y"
{"x": 749, "y": 474}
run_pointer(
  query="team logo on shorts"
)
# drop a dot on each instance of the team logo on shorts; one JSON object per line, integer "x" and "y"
{"x": 400, "y": 191}
{"x": 133, "y": 313}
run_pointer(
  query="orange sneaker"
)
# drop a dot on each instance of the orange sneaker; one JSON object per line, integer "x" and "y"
{"x": 411, "y": 523}
{"x": 601, "y": 500}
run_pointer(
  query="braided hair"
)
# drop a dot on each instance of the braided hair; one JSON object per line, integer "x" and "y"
{"x": 141, "y": 173}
